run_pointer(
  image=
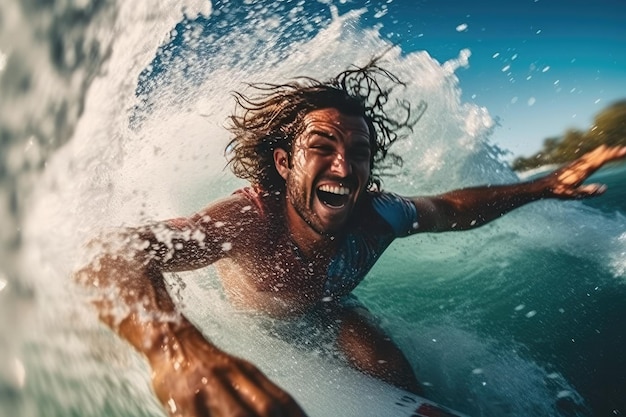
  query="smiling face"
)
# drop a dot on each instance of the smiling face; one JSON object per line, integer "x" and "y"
{"x": 328, "y": 171}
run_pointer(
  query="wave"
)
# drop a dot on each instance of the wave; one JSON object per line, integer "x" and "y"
{"x": 141, "y": 137}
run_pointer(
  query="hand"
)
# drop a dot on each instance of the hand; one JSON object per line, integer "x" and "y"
{"x": 191, "y": 377}
{"x": 566, "y": 182}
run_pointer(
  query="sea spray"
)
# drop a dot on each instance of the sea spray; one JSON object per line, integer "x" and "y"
{"x": 52, "y": 57}
{"x": 49, "y": 53}
{"x": 150, "y": 145}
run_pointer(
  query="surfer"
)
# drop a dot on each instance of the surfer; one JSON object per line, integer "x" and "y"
{"x": 298, "y": 240}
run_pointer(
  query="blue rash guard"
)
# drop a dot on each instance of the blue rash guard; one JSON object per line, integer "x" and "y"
{"x": 385, "y": 217}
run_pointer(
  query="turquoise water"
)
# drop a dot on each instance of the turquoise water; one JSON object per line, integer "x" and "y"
{"x": 507, "y": 320}
{"x": 534, "y": 315}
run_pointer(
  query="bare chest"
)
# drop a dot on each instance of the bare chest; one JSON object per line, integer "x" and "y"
{"x": 277, "y": 272}
{"x": 277, "y": 280}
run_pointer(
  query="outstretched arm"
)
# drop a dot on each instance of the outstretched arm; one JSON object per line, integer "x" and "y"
{"x": 472, "y": 207}
{"x": 190, "y": 375}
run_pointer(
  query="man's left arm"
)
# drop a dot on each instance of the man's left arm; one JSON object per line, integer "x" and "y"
{"x": 472, "y": 207}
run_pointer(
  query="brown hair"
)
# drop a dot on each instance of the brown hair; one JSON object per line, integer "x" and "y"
{"x": 273, "y": 119}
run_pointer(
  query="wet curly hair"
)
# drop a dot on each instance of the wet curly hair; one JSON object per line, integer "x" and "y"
{"x": 273, "y": 118}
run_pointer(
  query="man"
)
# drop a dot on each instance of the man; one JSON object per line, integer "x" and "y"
{"x": 296, "y": 242}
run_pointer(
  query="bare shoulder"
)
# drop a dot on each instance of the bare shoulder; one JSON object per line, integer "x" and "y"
{"x": 245, "y": 217}
{"x": 238, "y": 208}
{"x": 205, "y": 237}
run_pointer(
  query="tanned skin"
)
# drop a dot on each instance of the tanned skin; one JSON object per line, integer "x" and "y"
{"x": 299, "y": 234}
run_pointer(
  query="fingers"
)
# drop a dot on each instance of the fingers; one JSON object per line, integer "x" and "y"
{"x": 595, "y": 159}
{"x": 224, "y": 399}
{"x": 589, "y": 190}
{"x": 568, "y": 180}
{"x": 243, "y": 390}
{"x": 607, "y": 154}
{"x": 603, "y": 154}
{"x": 214, "y": 383}
{"x": 261, "y": 395}
{"x": 287, "y": 403}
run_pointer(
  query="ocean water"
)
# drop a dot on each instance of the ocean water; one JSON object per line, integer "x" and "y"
{"x": 112, "y": 113}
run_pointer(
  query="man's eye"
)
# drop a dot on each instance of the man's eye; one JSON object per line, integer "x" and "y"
{"x": 325, "y": 149}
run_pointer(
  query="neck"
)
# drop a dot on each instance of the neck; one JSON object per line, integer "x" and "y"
{"x": 309, "y": 241}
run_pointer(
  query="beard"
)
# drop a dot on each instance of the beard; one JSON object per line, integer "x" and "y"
{"x": 299, "y": 201}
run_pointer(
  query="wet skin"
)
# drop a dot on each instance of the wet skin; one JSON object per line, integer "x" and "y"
{"x": 325, "y": 176}
{"x": 273, "y": 257}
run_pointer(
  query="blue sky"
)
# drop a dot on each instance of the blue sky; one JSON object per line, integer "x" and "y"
{"x": 539, "y": 66}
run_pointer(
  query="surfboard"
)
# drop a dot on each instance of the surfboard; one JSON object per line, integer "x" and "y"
{"x": 326, "y": 388}
{"x": 369, "y": 400}
{"x": 323, "y": 386}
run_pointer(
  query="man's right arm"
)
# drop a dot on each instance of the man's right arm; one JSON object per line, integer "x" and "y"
{"x": 191, "y": 376}
{"x": 473, "y": 207}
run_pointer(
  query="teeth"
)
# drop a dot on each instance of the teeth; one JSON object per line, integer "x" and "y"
{"x": 334, "y": 190}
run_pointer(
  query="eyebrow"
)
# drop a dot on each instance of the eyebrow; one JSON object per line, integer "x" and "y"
{"x": 328, "y": 135}
{"x": 323, "y": 133}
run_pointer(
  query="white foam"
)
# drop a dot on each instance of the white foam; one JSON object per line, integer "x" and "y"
{"x": 112, "y": 173}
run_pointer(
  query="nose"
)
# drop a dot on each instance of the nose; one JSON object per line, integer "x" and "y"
{"x": 341, "y": 165}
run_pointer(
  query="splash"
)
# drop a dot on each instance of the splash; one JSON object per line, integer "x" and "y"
{"x": 142, "y": 138}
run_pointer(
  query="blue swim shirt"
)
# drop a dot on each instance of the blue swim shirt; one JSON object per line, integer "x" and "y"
{"x": 389, "y": 216}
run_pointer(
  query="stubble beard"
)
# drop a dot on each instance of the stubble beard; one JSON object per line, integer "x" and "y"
{"x": 297, "y": 198}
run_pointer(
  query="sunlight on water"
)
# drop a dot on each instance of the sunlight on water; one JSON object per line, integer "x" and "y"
{"x": 619, "y": 258}
{"x": 142, "y": 138}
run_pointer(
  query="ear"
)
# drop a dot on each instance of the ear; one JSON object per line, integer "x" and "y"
{"x": 281, "y": 161}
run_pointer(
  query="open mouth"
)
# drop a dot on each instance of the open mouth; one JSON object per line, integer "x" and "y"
{"x": 333, "y": 196}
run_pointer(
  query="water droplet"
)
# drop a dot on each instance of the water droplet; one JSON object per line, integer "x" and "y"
{"x": 19, "y": 373}
{"x": 172, "y": 404}
{"x": 3, "y": 61}
{"x": 563, "y": 394}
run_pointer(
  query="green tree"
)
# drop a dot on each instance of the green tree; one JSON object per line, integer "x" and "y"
{"x": 610, "y": 125}
{"x": 609, "y": 128}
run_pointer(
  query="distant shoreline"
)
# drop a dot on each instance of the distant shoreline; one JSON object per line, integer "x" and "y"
{"x": 529, "y": 173}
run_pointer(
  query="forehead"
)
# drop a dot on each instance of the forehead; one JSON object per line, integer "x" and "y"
{"x": 332, "y": 119}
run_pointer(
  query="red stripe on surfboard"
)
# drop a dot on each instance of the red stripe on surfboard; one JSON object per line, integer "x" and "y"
{"x": 429, "y": 410}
